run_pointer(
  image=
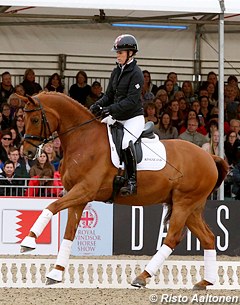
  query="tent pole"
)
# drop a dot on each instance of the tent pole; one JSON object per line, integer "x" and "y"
{"x": 221, "y": 88}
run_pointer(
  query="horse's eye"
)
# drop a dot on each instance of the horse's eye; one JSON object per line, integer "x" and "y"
{"x": 35, "y": 120}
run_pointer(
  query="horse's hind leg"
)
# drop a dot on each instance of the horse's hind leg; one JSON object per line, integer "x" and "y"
{"x": 74, "y": 216}
{"x": 199, "y": 228}
{"x": 174, "y": 236}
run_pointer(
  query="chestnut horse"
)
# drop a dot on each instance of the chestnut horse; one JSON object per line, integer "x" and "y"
{"x": 87, "y": 173}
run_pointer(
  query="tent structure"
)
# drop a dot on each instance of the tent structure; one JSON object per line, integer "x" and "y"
{"x": 183, "y": 6}
{"x": 172, "y": 11}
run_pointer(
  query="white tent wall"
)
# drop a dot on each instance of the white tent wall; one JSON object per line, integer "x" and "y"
{"x": 97, "y": 40}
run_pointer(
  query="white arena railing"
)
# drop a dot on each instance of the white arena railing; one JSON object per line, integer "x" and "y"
{"x": 110, "y": 273}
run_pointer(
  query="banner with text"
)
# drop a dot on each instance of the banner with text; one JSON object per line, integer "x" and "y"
{"x": 141, "y": 231}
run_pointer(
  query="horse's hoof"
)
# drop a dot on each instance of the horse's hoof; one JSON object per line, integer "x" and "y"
{"x": 199, "y": 287}
{"x": 28, "y": 244}
{"x": 50, "y": 281}
{"x": 202, "y": 285}
{"x": 24, "y": 249}
{"x": 54, "y": 277}
{"x": 139, "y": 282}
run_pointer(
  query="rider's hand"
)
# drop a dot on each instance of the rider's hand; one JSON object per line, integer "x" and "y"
{"x": 105, "y": 112}
{"x": 96, "y": 109}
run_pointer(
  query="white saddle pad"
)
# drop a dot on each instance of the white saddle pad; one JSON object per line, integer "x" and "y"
{"x": 154, "y": 153}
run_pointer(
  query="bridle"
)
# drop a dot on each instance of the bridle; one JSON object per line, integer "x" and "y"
{"x": 46, "y": 130}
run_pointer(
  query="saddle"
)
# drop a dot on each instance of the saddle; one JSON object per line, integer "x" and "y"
{"x": 117, "y": 136}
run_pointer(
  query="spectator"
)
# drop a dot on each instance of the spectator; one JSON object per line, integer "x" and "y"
{"x": 5, "y": 145}
{"x": 7, "y": 117}
{"x": 235, "y": 126}
{"x": 29, "y": 84}
{"x": 173, "y": 77}
{"x": 159, "y": 106}
{"x": 19, "y": 112}
{"x": 1, "y": 120}
{"x": 45, "y": 170}
{"x": 6, "y": 87}
{"x": 80, "y": 90}
{"x": 235, "y": 174}
{"x": 19, "y": 90}
{"x": 150, "y": 111}
{"x": 212, "y": 78}
{"x": 49, "y": 149}
{"x": 211, "y": 127}
{"x": 19, "y": 127}
{"x": 57, "y": 146}
{"x": 196, "y": 106}
{"x": 14, "y": 102}
{"x": 205, "y": 108}
{"x": 211, "y": 96}
{"x": 42, "y": 168}
{"x": 212, "y": 145}
{"x": 20, "y": 168}
{"x": 176, "y": 115}
{"x": 166, "y": 130}
{"x": 203, "y": 91}
{"x": 55, "y": 83}
{"x": 169, "y": 88}
{"x": 188, "y": 91}
{"x": 8, "y": 185}
{"x": 231, "y": 102}
{"x": 178, "y": 95}
{"x": 193, "y": 115}
{"x": 183, "y": 107}
{"x": 16, "y": 140}
{"x": 214, "y": 116}
{"x": 148, "y": 86}
{"x": 230, "y": 147}
{"x": 191, "y": 134}
{"x": 95, "y": 94}
{"x": 24, "y": 160}
{"x": 162, "y": 95}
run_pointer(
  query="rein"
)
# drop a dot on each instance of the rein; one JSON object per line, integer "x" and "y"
{"x": 45, "y": 127}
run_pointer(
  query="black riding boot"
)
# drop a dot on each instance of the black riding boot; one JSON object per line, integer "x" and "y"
{"x": 131, "y": 166}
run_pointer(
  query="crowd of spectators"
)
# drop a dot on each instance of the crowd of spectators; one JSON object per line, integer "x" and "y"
{"x": 180, "y": 112}
{"x": 176, "y": 110}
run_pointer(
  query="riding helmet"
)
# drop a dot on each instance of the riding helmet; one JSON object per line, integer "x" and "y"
{"x": 125, "y": 42}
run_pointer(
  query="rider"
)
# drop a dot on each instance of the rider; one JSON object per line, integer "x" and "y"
{"x": 122, "y": 101}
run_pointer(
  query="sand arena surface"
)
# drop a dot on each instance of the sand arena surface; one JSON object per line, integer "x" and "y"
{"x": 45, "y": 296}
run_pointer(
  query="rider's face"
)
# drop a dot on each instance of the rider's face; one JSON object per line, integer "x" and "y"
{"x": 121, "y": 57}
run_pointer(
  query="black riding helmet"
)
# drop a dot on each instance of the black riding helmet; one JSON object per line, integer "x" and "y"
{"x": 125, "y": 42}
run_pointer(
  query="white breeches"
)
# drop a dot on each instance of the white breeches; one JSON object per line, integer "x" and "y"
{"x": 132, "y": 129}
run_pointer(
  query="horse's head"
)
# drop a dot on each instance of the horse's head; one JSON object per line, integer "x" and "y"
{"x": 37, "y": 128}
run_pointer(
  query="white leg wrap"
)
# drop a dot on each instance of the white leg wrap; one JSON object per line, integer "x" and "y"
{"x": 55, "y": 274}
{"x": 158, "y": 259}
{"x": 29, "y": 242}
{"x": 64, "y": 253}
{"x": 41, "y": 222}
{"x": 210, "y": 266}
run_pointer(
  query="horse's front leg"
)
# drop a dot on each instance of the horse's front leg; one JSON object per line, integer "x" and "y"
{"x": 56, "y": 274}
{"x": 78, "y": 196}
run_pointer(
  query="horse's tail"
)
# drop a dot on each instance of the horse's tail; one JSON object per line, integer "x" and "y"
{"x": 223, "y": 168}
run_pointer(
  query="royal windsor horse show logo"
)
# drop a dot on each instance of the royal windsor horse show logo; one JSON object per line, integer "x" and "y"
{"x": 89, "y": 218}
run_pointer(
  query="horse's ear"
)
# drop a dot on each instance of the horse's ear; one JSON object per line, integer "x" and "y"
{"x": 26, "y": 99}
{"x": 30, "y": 99}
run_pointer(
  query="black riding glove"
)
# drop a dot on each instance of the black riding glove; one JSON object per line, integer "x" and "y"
{"x": 105, "y": 112}
{"x": 96, "y": 109}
